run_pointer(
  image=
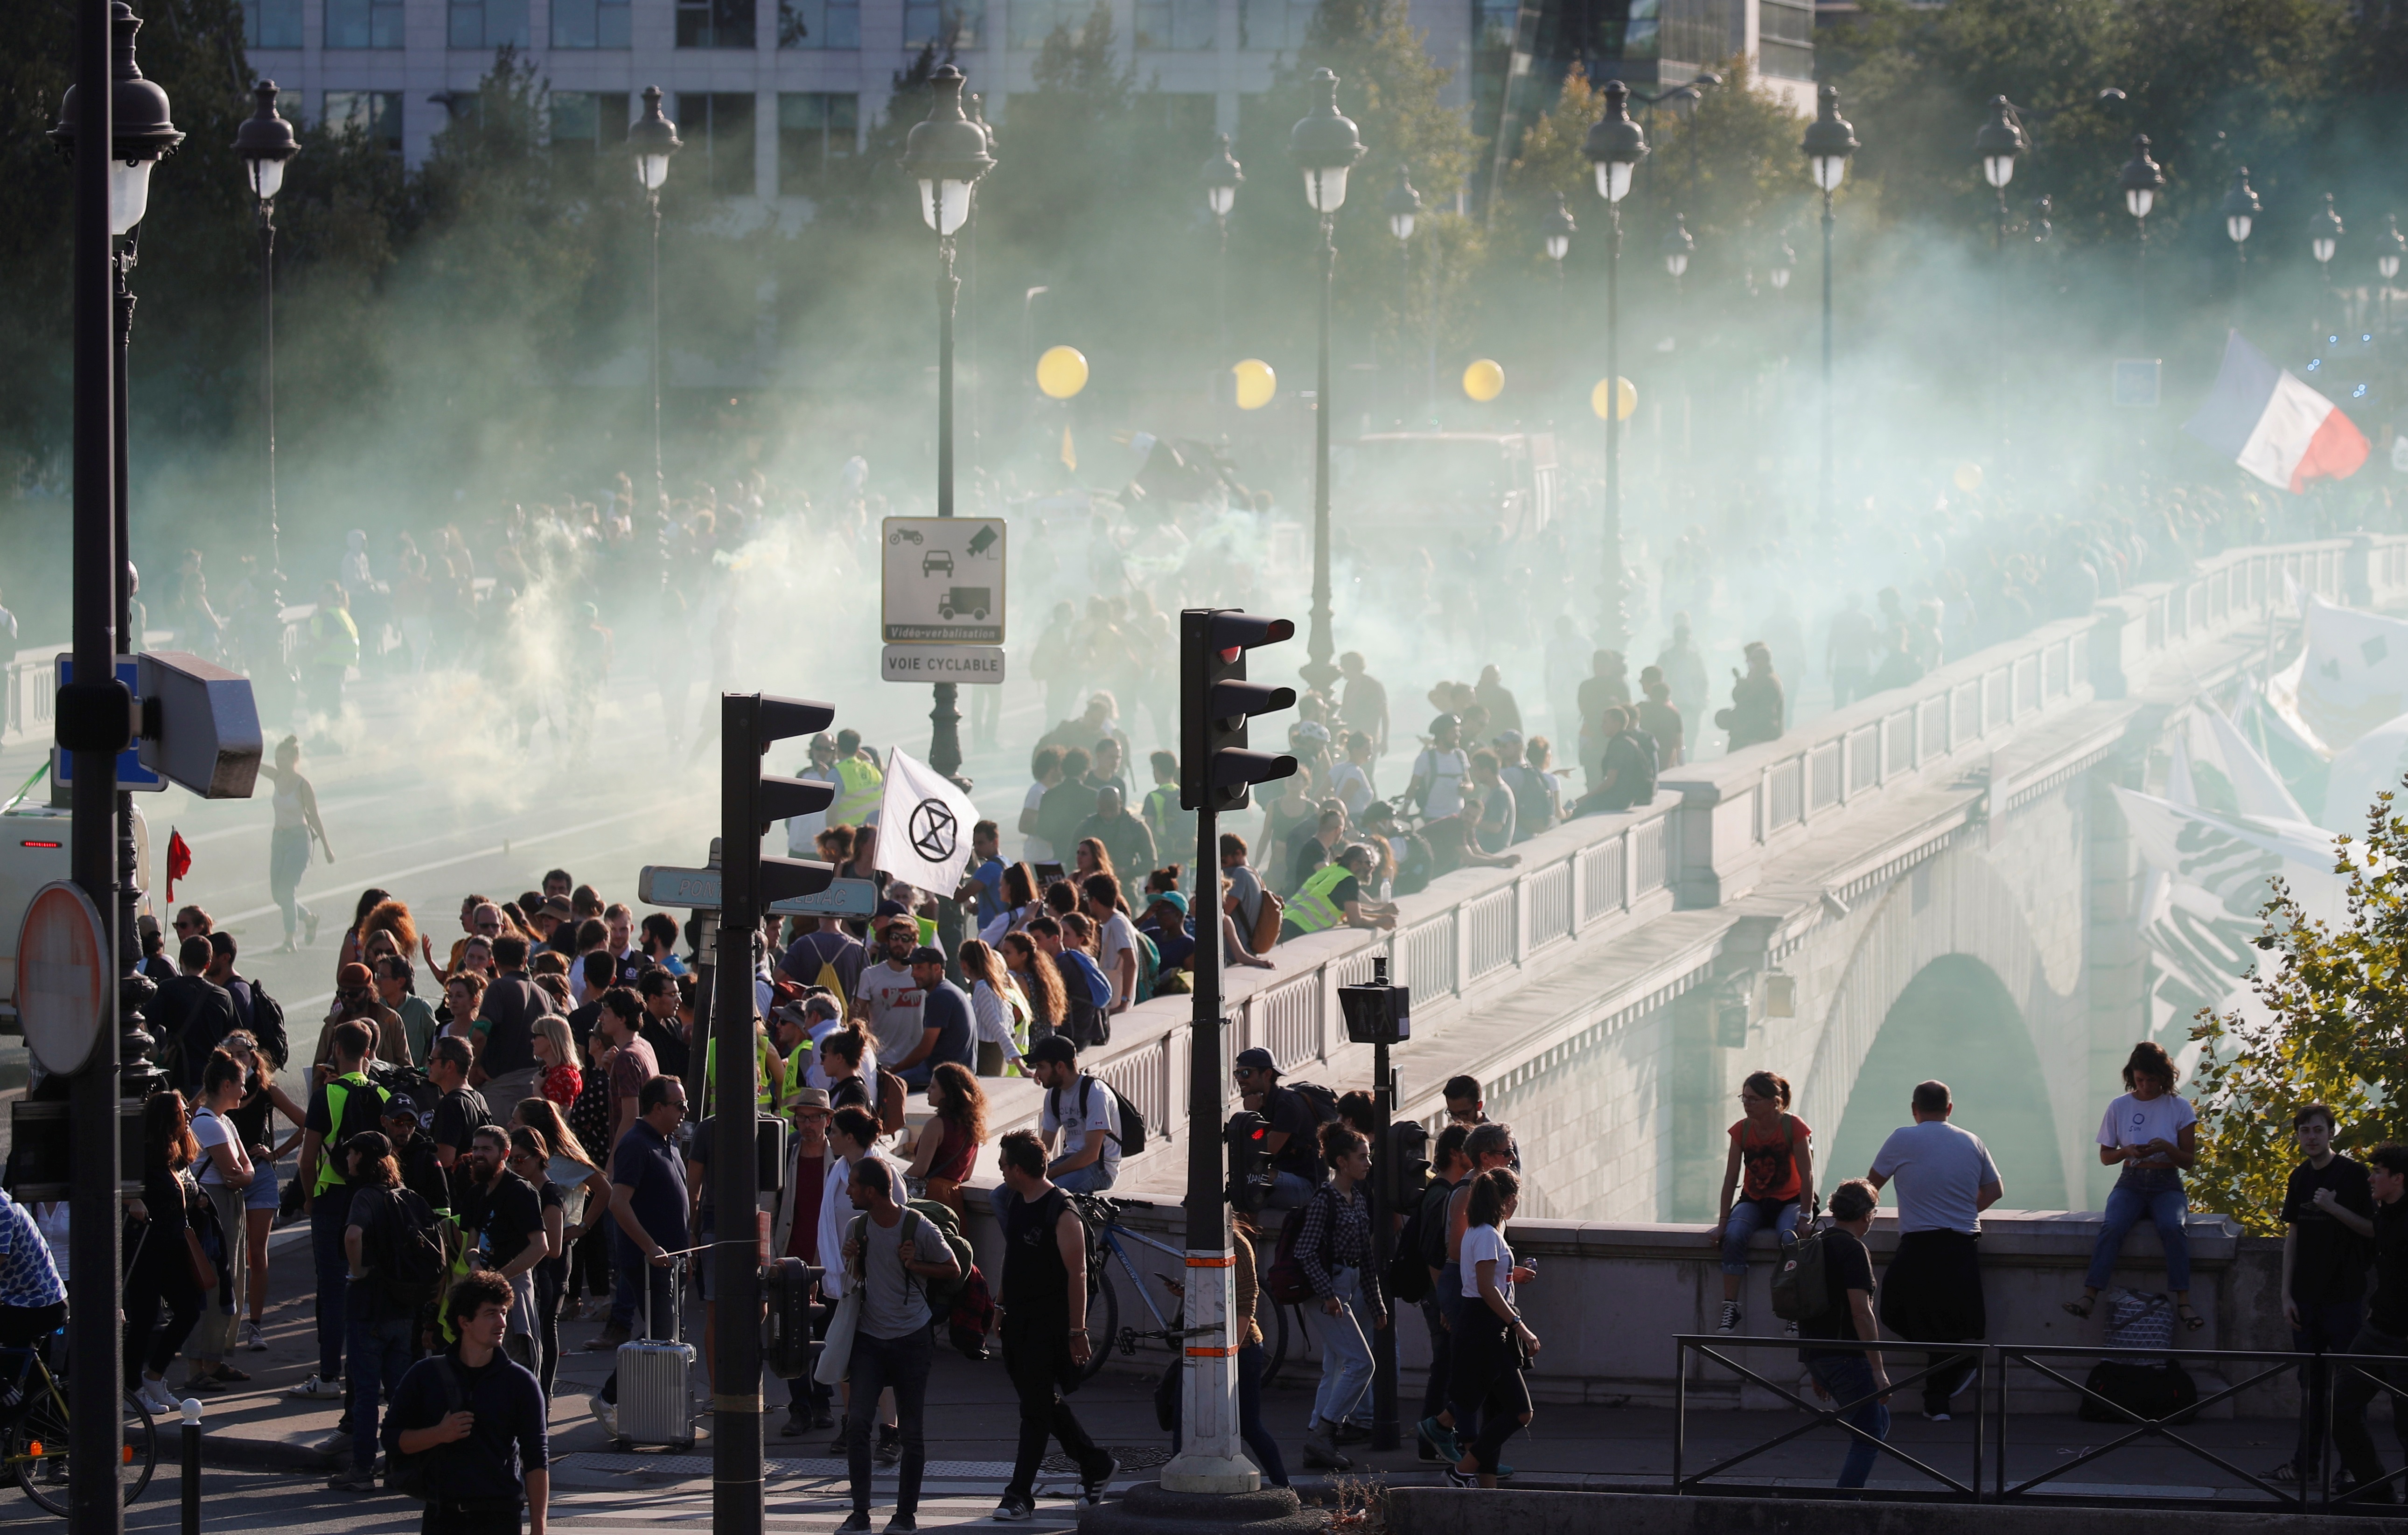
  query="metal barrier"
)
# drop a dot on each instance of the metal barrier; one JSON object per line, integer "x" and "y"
{"x": 2322, "y": 1388}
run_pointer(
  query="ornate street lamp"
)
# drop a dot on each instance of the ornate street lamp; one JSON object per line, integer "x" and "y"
{"x": 1779, "y": 262}
{"x": 651, "y": 140}
{"x": 2140, "y": 180}
{"x": 1996, "y": 143}
{"x": 1403, "y": 206}
{"x": 2240, "y": 210}
{"x": 1326, "y": 146}
{"x": 1557, "y": 231}
{"x": 1679, "y": 246}
{"x": 1615, "y": 145}
{"x": 264, "y": 143}
{"x": 1827, "y": 145}
{"x": 2324, "y": 241}
{"x": 1222, "y": 178}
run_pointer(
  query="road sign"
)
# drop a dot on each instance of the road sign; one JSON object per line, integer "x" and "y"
{"x": 943, "y": 581}
{"x": 62, "y": 950}
{"x": 131, "y": 774}
{"x": 943, "y": 663}
{"x": 662, "y": 885}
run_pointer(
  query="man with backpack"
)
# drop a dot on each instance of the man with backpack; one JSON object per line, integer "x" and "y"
{"x": 1626, "y": 775}
{"x": 893, "y": 1255}
{"x": 395, "y": 1253}
{"x": 1845, "y": 1312}
{"x": 468, "y": 1430}
{"x": 1295, "y": 1115}
{"x": 345, "y": 1105}
{"x": 1085, "y": 988}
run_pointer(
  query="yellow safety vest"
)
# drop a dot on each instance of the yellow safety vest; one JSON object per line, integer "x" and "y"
{"x": 334, "y": 639}
{"x": 1312, "y": 910}
{"x": 859, "y": 788}
{"x": 764, "y": 1075}
{"x": 338, "y": 1098}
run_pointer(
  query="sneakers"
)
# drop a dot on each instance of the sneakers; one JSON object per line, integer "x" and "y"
{"x": 1349, "y": 1433}
{"x": 889, "y": 1444}
{"x": 837, "y": 1446}
{"x": 822, "y": 1417}
{"x": 1730, "y": 1317}
{"x": 1461, "y": 1479}
{"x": 1320, "y": 1453}
{"x": 153, "y": 1395}
{"x": 604, "y": 1414}
{"x": 857, "y": 1525}
{"x": 797, "y": 1424}
{"x": 351, "y": 1482}
{"x": 1091, "y": 1488}
{"x": 1439, "y": 1438}
{"x": 1011, "y": 1510}
{"x": 310, "y": 926}
{"x": 251, "y": 1337}
{"x": 1937, "y": 1418}
{"x": 1789, "y": 1331}
{"x": 315, "y": 1389}
{"x": 902, "y": 1524}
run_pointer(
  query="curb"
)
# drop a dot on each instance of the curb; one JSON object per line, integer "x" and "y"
{"x": 247, "y": 1453}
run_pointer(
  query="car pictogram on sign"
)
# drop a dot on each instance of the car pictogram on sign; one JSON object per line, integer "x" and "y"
{"x": 937, "y": 560}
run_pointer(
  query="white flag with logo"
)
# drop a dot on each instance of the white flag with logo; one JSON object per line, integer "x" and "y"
{"x": 923, "y": 825}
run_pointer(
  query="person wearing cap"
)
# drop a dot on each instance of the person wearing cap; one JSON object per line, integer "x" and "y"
{"x": 1165, "y": 920}
{"x": 859, "y": 785}
{"x": 1436, "y": 788}
{"x": 887, "y": 997}
{"x": 1293, "y": 1142}
{"x": 947, "y": 1032}
{"x": 802, "y": 831}
{"x": 1080, "y": 1123}
{"x": 1334, "y": 898}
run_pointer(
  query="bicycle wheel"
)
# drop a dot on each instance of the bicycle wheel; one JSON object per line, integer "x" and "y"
{"x": 35, "y": 1450}
{"x": 1103, "y": 1321}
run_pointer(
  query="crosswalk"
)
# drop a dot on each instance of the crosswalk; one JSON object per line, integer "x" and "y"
{"x": 598, "y": 1495}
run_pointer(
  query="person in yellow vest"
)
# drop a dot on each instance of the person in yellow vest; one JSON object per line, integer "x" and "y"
{"x": 333, "y": 649}
{"x": 344, "y": 1105}
{"x": 768, "y": 1073}
{"x": 1334, "y": 898}
{"x": 859, "y": 784}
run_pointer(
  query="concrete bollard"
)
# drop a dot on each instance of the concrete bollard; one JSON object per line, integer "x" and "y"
{"x": 192, "y": 1413}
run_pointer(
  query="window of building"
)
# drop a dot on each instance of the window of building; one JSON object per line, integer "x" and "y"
{"x": 957, "y": 23}
{"x": 376, "y": 113}
{"x": 1643, "y": 35}
{"x": 1276, "y": 25}
{"x": 1786, "y": 40}
{"x": 364, "y": 24}
{"x": 815, "y": 129}
{"x": 714, "y": 23}
{"x": 1029, "y": 22}
{"x": 589, "y": 134}
{"x": 489, "y": 23}
{"x": 589, "y": 23}
{"x": 1183, "y": 27}
{"x": 818, "y": 24}
{"x": 717, "y": 130}
{"x": 1493, "y": 23}
{"x": 271, "y": 23}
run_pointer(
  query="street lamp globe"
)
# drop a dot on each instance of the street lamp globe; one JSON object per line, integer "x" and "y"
{"x": 2140, "y": 180}
{"x": 140, "y": 134}
{"x": 1325, "y": 145}
{"x": 1558, "y": 228}
{"x": 2240, "y": 209}
{"x": 1221, "y": 176}
{"x": 1678, "y": 247}
{"x": 2324, "y": 233}
{"x": 263, "y": 142}
{"x": 2389, "y": 247}
{"x": 1999, "y": 141}
{"x": 946, "y": 154}
{"x": 651, "y": 140}
{"x": 1615, "y": 144}
{"x": 1403, "y": 206}
{"x": 1779, "y": 261}
{"x": 1829, "y": 143}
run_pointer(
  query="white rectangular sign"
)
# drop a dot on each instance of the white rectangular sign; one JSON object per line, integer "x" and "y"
{"x": 943, "y": 663}
{"x": 942, "y": 580}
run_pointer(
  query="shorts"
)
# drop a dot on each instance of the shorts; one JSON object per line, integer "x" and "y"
{"x": 262, "y": 1194}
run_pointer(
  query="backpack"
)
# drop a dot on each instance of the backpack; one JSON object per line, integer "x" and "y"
{"x": 406, "y": 1475}
{"x": 1317, "y": 1098}
{"x": 1129, "y": 1136}
{"x": 1267, "y": 918}
{"x": 413, "y": 1257}
{"x": 943, "y": 1293}
{"x": 1149, "y": 966}
{"x": 1799, "y": 1291}
{"x": 268, "y": 1023}
{"x": 1283, "y": 1280}
{"x": 972, "y": 1316}
{"x": 891, "y": 1094}
{"x": 1409, "y": 1278}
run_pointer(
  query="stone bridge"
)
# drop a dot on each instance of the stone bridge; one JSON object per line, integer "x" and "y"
{"x": 1933, "y": 881}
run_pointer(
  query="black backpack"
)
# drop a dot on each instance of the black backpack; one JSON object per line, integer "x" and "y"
{"x": 411, "y": 1256}
{"x": 406, "y": 1475}
{"x": 1409, "y": 1277}
{"x": 268, "y": 1023}
{"x": 1317, "y": 1098}
{"x": 1130, "y": 1137}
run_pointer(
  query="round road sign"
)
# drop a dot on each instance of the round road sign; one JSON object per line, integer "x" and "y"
{"x": 62, "y": 973}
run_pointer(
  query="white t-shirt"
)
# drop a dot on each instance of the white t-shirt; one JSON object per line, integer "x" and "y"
{"x": 1939, "y": 1171}
{"x": 1102, "y": 1118}
{"x": 210, "y": 1131}
{"x": 1445, "y": 771}
{"x": 1033, "y": 847}
{"x": 894, "y": 1000}
{"x": 1486, "y": 1242}
{"x": 2131, "y": 1121}
{"x": 1116, "y": 937}
{"x": 1352, "y": 787}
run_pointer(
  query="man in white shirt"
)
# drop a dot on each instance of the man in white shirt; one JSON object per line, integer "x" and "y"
{"x": 803, "y": 831}
{"x": 1116, "y": 936}
{"x": 1933, "y": 1290}
{"x": 889, "y": 997}
{"x": 1081, "y": 1111}
{"x": 853, "y": 1134}
{"x": 1438, "y": 772}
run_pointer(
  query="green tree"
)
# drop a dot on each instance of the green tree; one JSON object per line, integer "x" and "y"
{"x": 2337, "y": 1034}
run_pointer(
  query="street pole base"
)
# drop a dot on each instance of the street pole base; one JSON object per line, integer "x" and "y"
{"x": 1192, "y": 1471}
{"x": 1318, "y": 674}
{"x": 1150, "y": 1508}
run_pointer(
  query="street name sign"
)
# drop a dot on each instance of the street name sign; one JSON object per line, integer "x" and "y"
{"x": 943, "y": 663}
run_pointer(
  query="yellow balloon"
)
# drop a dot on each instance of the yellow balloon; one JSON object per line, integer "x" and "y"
{"x": 1256, "y": 383}
{"x": 1968, "y": 477}
{"x": 1484, "y": 380}
{"x": 1627, "y": 402}
{"x": 1062, "y": 372}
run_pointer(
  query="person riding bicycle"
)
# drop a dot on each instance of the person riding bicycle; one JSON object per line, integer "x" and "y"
{"x": 33, "y": 1299}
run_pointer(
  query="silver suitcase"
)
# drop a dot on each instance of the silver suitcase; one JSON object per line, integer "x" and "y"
{"x": 656, "y": 1386}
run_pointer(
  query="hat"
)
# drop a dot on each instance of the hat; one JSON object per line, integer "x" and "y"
{"x": 809, "y": 1097}
{"x": 1172, "y": 898}
{"x": 353, "y": 977}
{"x": 896, "y": 918}
{"x": 888, "y": 909}
{"x": 1444, "y": 721}
{"x": 1257, "y": 1059}
{"x": 557, "y": 907}
{"x": 926, "y": 954}
{"x": 1056, "y": 1048}
{"x": 1311, "y": 730}
{"x": 1508, "y": 738}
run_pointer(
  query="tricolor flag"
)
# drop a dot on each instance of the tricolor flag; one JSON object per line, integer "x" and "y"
{"x": 2273, "y": 425}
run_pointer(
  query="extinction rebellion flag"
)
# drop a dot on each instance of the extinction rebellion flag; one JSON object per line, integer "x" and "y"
{"x": 2273, "y": 425}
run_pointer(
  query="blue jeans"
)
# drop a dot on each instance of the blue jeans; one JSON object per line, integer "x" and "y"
{"x": 2126, "y": 1207}
{"x": 329, "y": 1213}
{"x": 381, "y": 1351}
{"x": 1345, "y": 1353}
{"x": 1847, "y": 1378}
{"x": 1092, "y": 1178}
{"x": 1289, "y": 1191}
{"x": 1747, "y": 1219}
{"x": 901, "y": 1365}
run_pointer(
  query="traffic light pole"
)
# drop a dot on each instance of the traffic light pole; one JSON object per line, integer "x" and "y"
{"x": 1383, "y": 1246}
{"x": 736, "y": 1484}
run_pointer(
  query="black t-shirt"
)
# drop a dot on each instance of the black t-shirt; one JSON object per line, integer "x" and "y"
{"x": 458, "y": 1116}
{"x": 1033, "y": 1280}
{"x": 582, "y": 1025}
{"x": 505, "y": 1214}
{"x": 511, "y": 1006}
{"x": 383, "y": 1220}
{"x": 2388, "y": 1311}
{"x": 1846, "y": 1266}
{"x": 549, "y": 1197}
{"x": 423, "y": 1172}
{"x": 668, "y": 1051}
{"x": 1284, "y": 1108}
{"x": 2327, "y": 1258}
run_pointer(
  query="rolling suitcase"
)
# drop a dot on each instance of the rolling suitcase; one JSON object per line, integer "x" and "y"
{"x": 655, "y": 1383}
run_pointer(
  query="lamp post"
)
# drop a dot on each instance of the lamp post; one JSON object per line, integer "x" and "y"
{"x": 1325, "y": 145}
{"x": 2324, "y": 240}
{"x": 263, "y": 142}
{"x": 945, "y": 154}
{"x": 1613, "y": 146}
{"x": 2240, "y": 213}
{"x": 2140, "y": 180}
{"x": 131, "y": 115}
{"x": 652, "y": 141}
{"x": 1997, "y": 142}
{"x": 1557, "y": 230}
{"x": 1827, "y": 145}
{"x": 1403, "y": 206}
{"x": 1222, "y": 178}
{"x": 1679, "y": 246}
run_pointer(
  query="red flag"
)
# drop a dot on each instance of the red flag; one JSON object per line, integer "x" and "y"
{"x": 180, "y": 860}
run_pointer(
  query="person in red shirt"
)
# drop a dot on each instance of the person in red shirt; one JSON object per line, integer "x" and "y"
{"x": 1770, "y": 1170}
{"x": 809, "y": 1405}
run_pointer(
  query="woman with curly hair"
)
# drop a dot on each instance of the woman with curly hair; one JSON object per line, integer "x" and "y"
{"x": 949, "y": 1143}
{"x": 1039, "y": 982}
{"x": 2153, "y": 1135}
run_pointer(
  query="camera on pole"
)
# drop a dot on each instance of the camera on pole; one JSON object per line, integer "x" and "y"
{"x": 1215, "y": 767}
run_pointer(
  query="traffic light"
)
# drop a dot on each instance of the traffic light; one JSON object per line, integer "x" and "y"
{"x": 1215, "y": 701}
{"x": 777, "y": 799}
{"x": 1407, "y": 1170}
{"x": 793, "y": 1319}
{"x": 1250, "y": 1163}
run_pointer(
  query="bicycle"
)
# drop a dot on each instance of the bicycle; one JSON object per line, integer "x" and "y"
{"x": 33, "y": 1433}
{"x": 1106, "y": 1234}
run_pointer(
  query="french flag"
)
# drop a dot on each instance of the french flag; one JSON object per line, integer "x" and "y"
{"x": 2273, "y": 425}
